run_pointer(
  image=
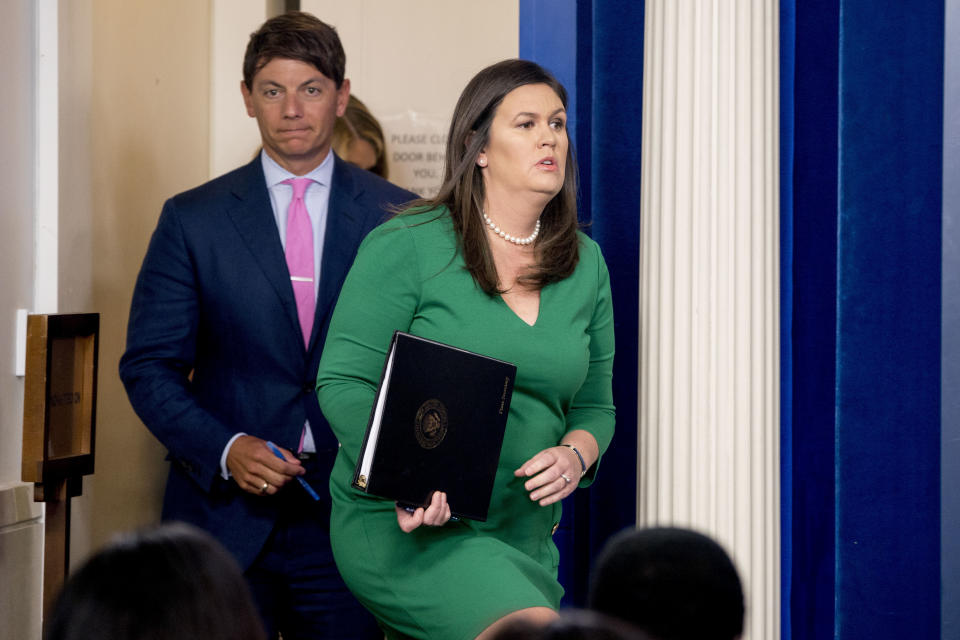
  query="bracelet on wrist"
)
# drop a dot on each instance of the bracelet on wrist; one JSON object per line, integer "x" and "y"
{"x": 583, "y": 465}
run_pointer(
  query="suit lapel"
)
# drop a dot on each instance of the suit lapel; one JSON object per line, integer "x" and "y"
{"x": 343, "y": 234}
{"x": 252, "y": 215}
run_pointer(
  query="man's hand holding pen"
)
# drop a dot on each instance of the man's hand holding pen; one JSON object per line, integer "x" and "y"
{"x": 258, "y": 470}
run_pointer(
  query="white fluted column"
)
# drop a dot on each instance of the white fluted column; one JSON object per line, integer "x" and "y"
{"x": 709, "y": 285}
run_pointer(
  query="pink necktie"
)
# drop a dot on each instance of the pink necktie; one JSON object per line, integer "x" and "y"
{"x": 299, "y": 250}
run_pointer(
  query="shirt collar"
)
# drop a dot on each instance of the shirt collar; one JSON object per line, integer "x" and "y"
{"x": 275, "y": 174}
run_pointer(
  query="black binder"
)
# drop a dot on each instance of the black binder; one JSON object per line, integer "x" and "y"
{"x": 437, "y": 424}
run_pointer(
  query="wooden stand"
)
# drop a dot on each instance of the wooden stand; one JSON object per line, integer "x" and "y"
{"x": 59, "y": 414}
{"x": 56, "y": 535}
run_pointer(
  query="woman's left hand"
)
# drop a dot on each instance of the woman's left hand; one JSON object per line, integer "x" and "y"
{"x": 554, "y": 474}
{"x": 436, "y": 514}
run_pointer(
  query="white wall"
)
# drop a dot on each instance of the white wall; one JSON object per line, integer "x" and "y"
{"x": 16, "y": 215}
{"x": 234, "y": 137}
{"x": 408, "y": 60}
{"x": 75, "y": 261}
{"x": 20, "y": 530}
{"x": 419, "y": 54}
{"x": 149, "y": 135}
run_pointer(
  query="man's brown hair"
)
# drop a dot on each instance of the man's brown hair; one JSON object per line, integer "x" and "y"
{"x": 297, "y": 36}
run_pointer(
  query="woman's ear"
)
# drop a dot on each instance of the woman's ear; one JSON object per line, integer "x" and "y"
{"x": 481, "y": 157}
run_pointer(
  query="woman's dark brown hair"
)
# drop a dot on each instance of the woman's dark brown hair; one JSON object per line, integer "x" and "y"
{"x": 462, "y": 192}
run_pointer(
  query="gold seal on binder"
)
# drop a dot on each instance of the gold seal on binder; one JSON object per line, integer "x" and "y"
{"x": 362, "y": 481}
{"x": 431, "y": 423}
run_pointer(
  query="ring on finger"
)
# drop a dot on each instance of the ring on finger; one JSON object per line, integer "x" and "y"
{"x": 565, "y": 478}
{"x": 266, "y": 485}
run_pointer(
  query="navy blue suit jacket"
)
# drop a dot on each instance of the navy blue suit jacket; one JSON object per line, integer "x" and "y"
{"x": 214, "y": 298}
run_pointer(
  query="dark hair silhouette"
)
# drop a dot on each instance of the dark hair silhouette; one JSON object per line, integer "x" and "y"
{"x": 675, "y": 584}
{"x": 167, "y": 583}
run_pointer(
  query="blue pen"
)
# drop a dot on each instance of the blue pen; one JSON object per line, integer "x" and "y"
{"x": 303, "y": 483}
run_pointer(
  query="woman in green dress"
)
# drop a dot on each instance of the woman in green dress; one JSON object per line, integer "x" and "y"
{"x": 494, "y": 264}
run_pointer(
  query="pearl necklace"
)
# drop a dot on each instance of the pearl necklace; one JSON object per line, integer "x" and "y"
{"x": 509, "y": 238}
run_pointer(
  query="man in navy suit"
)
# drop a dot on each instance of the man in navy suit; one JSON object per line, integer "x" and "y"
{"x": 218, "y": 363}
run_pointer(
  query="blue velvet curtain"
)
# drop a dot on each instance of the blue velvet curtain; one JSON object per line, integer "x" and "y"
{"x": 809, "y": 115}
{"x": 862, "y": 123}
{"x": 596, "y": 50}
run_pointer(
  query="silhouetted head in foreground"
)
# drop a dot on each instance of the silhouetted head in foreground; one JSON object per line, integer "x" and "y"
{"x": 173, "y": 581}
{"x": 675, "y": 584}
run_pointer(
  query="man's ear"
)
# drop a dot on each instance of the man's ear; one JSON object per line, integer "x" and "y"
{"x": 343, "y": 97}
{"x": 247, "y": 99}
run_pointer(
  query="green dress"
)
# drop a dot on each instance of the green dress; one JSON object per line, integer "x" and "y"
{"x": 451, "y": 582}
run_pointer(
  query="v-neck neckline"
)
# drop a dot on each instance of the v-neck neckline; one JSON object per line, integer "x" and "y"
{"x": 517, "y": 315}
